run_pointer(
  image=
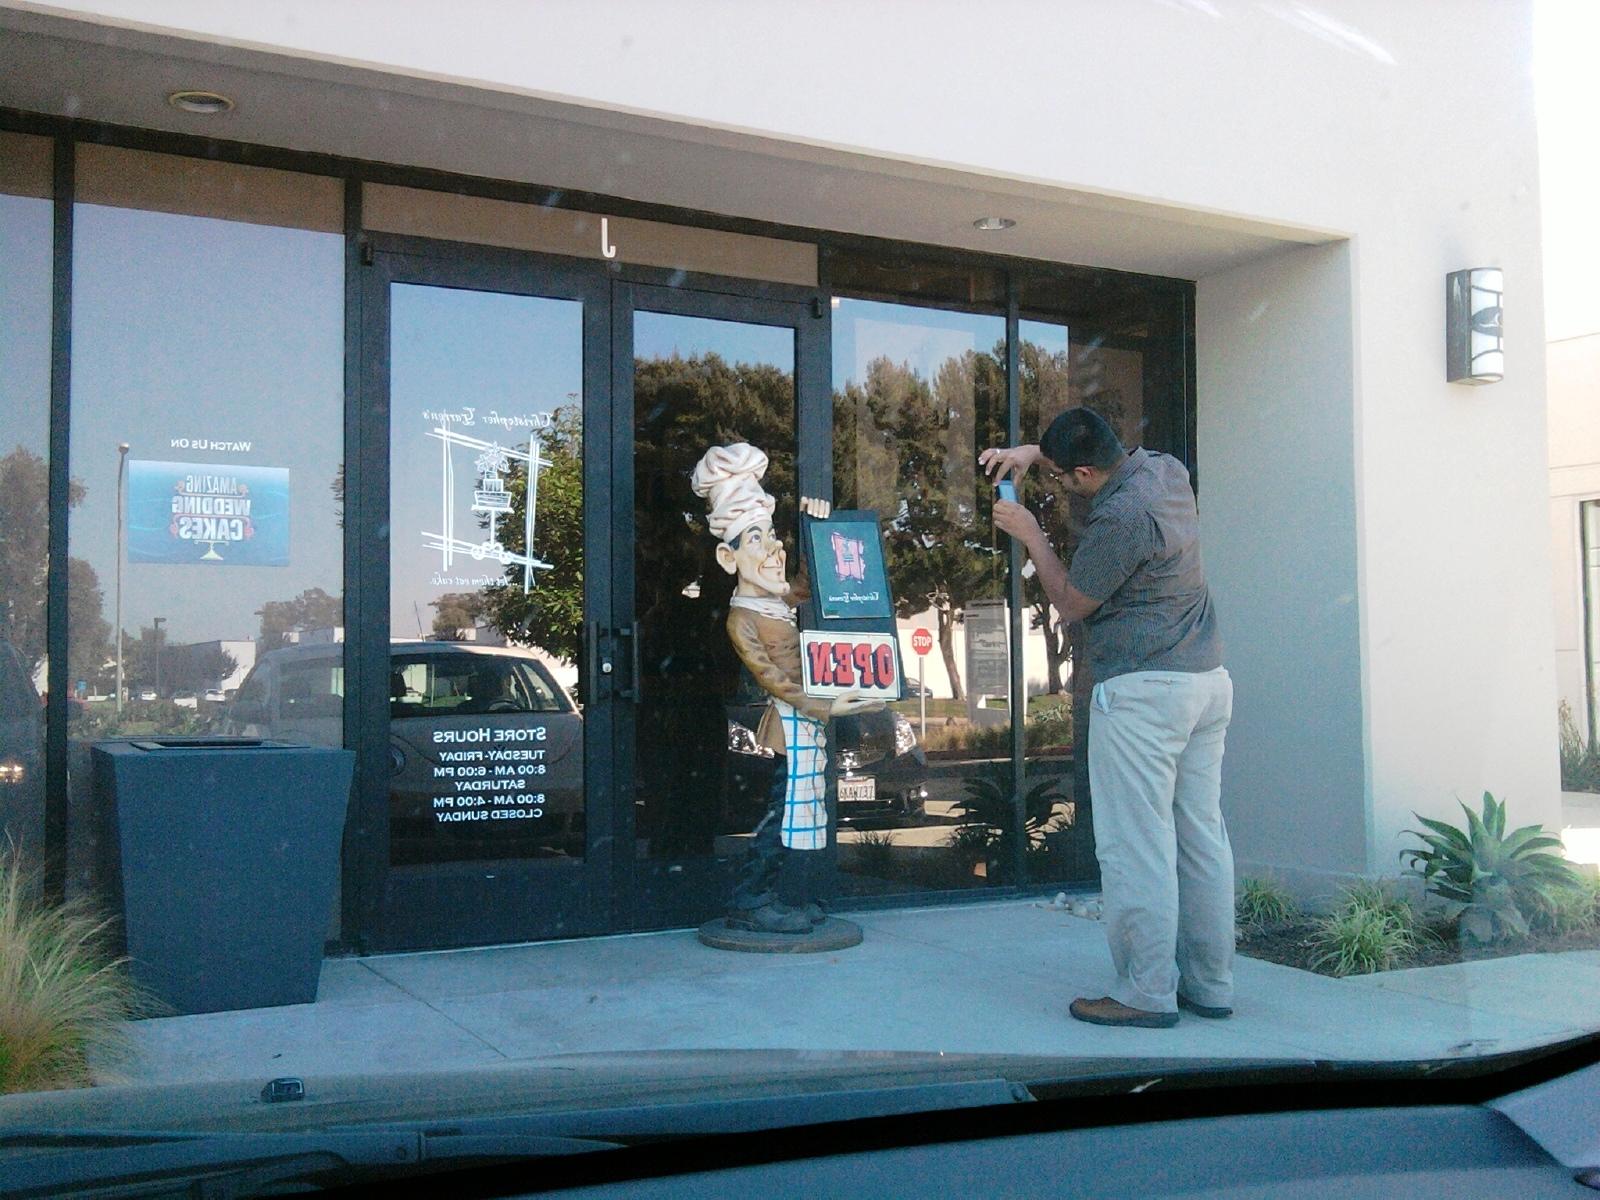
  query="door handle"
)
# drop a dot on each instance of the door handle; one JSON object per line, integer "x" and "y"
{"x": 591, "y": 661}
{"x": 635, "y": 690}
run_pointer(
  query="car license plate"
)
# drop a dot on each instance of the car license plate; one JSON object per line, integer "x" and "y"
{"x": 858, "y": 791}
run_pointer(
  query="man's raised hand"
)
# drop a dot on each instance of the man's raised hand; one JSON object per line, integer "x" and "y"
{"x": 1010, "y": 517}
{"x": 1008, "y": 460}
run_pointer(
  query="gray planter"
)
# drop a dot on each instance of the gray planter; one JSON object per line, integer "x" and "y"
{"x": 223, "y": 860}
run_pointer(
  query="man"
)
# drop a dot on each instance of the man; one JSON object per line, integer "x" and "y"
{"x": 1160, "y": 710}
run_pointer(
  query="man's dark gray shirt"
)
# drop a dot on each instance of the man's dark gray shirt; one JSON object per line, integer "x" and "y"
{"x": 1140, "y": 557}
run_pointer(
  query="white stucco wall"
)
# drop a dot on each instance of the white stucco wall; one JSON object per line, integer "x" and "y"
{"x": 1387, "y": 530}
{"x": 1276, "y": 446}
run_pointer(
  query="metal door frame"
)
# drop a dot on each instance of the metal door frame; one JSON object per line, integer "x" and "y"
{"x": 455, "y": 904}
{"x": 806, "y": 312}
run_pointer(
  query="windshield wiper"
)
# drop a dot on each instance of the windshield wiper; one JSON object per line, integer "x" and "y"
{"x": 146, "y": 1162}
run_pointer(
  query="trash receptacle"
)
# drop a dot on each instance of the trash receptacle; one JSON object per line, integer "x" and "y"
{"x": 224, "y": 860}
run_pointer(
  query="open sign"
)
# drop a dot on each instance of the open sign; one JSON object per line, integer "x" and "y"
{"x": 836, "y": 663}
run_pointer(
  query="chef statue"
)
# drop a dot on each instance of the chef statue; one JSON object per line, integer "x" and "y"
{"x": 761, "y": 624}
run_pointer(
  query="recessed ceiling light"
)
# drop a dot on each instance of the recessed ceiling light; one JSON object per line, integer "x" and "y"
{"x": 990, "y": 224}
{"x": 193, "y": 101}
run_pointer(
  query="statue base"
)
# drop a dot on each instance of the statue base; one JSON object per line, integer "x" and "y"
{"x": 832, "y": 934}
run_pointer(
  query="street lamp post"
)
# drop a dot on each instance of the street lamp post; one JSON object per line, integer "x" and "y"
{"x": 122, "y": 470}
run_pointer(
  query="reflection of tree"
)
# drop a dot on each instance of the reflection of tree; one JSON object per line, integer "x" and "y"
{"x": 196, "y": 668}
{"x": 550, "y": 614}
{"x": 1051, "y": 382}
{"x": 24, "y": 559}
{"x": 682, "y": 407}
{"x": 455, "y": 613}
{"x": 139, "y": 657}
{"x": 908, "y": 448}
{"x": 88, "y": 632}
{"x": 150, "y": 659}
{"x": 311, "y": 609}
{"x": 1043, "y": 388}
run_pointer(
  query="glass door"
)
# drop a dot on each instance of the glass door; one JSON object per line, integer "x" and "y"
{"x": 693, "y": 371}
{"x": 485, "y": 667}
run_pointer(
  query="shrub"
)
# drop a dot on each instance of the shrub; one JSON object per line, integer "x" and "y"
{"x": 970, "y": 845}
{"x": 62, "y": 995}
{"x": 875, "y": 854}
{"x": 1356, "y": 939}
{"x": 1048, "y": 728}
{"x": 1264, "y": 902}
{"x": 1580, "y": 760}
{"x": 1380, "y": 896}
{"x": 1501, "y": 881}
{"x": 1572, "y": 910}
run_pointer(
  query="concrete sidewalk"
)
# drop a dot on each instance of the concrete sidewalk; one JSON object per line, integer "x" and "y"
{"x": 987, "y": 978}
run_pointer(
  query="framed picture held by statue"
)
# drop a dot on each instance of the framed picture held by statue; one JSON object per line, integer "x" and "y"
{"x": 844, "y": 556}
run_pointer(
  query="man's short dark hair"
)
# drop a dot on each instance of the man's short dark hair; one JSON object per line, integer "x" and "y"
{"x": 1080, "y": 437}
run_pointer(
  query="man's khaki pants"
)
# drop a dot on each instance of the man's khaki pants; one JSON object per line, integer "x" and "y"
{"x": 1166, "y": 868}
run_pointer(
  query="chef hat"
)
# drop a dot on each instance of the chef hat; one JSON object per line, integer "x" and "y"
{"x": 728, "y": 478}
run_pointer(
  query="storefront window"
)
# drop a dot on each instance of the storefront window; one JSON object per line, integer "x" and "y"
{"x": 918, "y": 393}
{"x": 486, "y": 576}
{"x": 207, "y": 443}
{"x": 25, "y": 281}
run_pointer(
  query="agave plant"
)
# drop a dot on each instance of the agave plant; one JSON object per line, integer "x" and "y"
{"x": 1500, "y": 879}
{"x": 987, "y": 814}
{"x": 988, "y": 802}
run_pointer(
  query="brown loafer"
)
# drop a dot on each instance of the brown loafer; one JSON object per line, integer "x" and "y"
{"x": 1106, "y": 1011}
{"x": 1210, "y": 1012}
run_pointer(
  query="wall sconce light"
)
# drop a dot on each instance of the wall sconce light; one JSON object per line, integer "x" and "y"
{"x": 1474, "y": 350}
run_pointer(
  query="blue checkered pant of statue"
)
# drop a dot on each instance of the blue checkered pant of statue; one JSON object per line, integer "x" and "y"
{"x": 797, "y": 809}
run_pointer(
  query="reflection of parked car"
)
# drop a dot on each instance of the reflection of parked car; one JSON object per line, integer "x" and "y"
{"x": 882, "y": 770}
{"x": 486, "y": 747}
{"x": 186, "y": 700}
{"x": 147, "y": 694}
{"x": 216, "y": 696}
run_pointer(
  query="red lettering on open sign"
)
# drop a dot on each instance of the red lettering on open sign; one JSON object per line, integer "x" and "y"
{"x": 842, "y": 674}
{"x": 821, "y": 668}
{"x": 885, "y": 663}
{"x": 863, "y": 657}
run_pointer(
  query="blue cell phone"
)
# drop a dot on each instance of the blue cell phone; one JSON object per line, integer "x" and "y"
{"x": 1006, "y": 490}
